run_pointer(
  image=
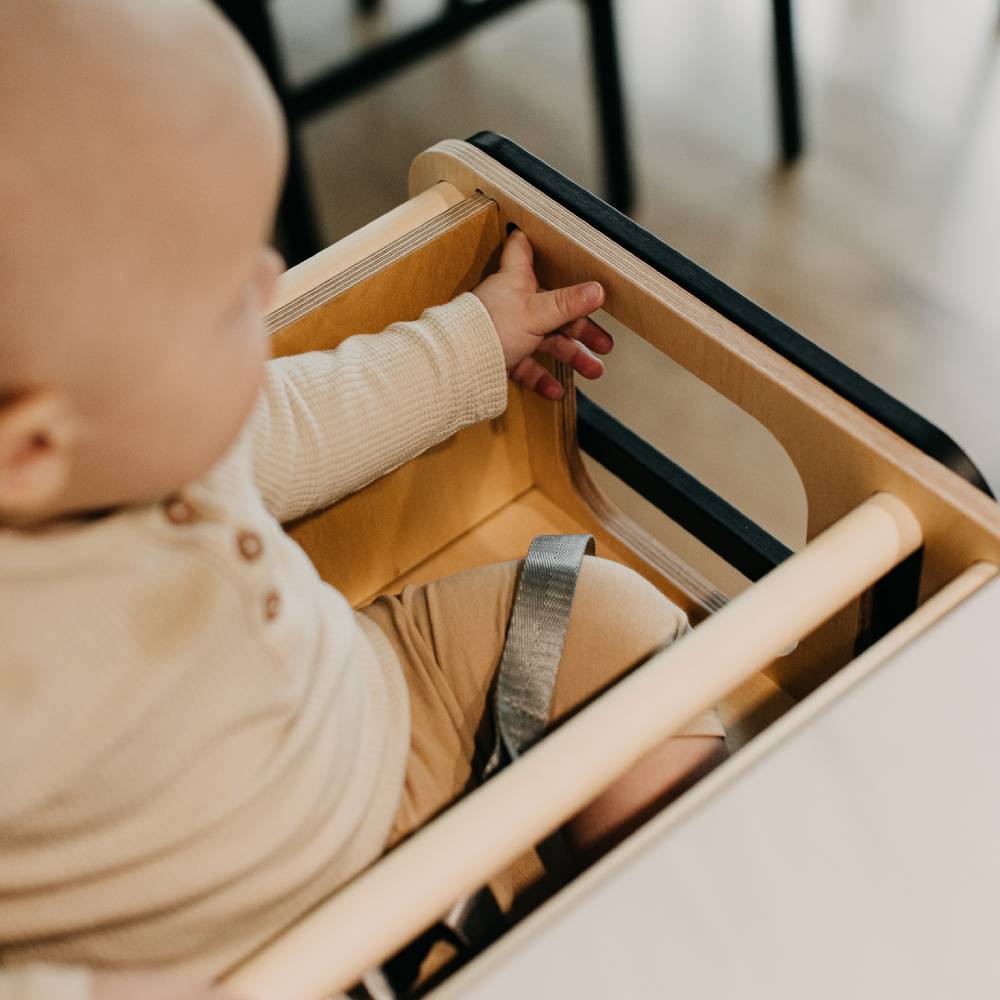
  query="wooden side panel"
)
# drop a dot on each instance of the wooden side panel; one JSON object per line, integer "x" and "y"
{"x": 368, "y": 539}
{"x": 302, "y": 280}
{"x": 842, "y": 455}
{"x": 371, "y": 537}
{"x": 441, "y": 258}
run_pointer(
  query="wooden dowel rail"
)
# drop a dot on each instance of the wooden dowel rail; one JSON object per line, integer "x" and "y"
{"x": 410, "y": 888}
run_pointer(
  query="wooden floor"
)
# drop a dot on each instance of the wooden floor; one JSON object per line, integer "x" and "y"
{"x": 882, "y": 245}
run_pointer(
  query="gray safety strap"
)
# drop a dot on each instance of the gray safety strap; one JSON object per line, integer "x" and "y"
{"x": 536, "y": 634}
{"x": 526, "y": 678}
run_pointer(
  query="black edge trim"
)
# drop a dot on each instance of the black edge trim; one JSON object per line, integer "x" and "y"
{"x": 889, "y": 601}
{"x": 868, "y": 397}
{"x": 697, "y": 509}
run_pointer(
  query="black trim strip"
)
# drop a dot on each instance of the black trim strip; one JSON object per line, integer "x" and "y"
{"x": 697, "y": 509}
{"x": 728, "y": 302}
{"x": 889, "y": 601}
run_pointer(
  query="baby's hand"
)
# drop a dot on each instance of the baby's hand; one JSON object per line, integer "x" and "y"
{"x": 555, "y": 322}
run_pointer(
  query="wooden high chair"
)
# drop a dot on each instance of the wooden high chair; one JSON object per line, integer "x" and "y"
{"x": 901, "y": 532}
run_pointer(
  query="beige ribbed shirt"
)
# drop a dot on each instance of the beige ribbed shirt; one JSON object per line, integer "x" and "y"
{"x": 200, "y": 739}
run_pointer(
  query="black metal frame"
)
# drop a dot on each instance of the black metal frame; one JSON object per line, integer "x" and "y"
{"x": 786, "y": 79}
{"x": 298, "y": 228}
{"x": 297, "y": 225}
{"x": 298, "y": 232}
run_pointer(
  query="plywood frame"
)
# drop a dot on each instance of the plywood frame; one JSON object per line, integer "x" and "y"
{"x": 841, "y": 454}
{"x": 843, "y": 457}
{"x": 439, "y": 243}
{"x": 442, "y": 512}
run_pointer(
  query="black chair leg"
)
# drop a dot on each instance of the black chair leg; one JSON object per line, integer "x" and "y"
{"x": 611, "y": 104}
{"x": 789, "y": 110}
{"x": 297, "y": 229}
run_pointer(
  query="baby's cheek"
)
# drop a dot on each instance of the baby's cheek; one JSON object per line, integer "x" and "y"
{"x": 247, "y": 383}
{"x": 271, "y": 266}
{"x": 249, "y": 350}
{"x": 228, "y": 396}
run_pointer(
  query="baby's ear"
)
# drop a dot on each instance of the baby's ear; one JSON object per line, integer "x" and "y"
{"x": 37, "y": 433}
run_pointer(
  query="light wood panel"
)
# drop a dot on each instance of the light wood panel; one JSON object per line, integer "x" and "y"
{"x": 503, "y": 536}
{"x": 396, "y": 280}
{"x": 841, "y": 455}
{"x": 558, "y": 472}
{"x": 400, "y": 222}
{"x": 378, "y": 533}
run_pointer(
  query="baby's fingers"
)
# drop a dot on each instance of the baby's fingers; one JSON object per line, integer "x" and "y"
{"x": 572, "y": 352}
{"x": 548, "y": 311}
{"x": 533, "y": 375}
{"x": 517, "y": 254}
{"x": 589, "y": 333}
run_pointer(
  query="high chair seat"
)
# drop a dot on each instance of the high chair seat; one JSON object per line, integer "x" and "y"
{"x": 901, "y": 531}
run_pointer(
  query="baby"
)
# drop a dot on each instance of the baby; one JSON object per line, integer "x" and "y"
{"x": 201, "y": 740}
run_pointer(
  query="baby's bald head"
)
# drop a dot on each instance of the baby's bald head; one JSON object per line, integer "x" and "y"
{"x": 141, "y": 160}
{"x": 132, "y": 129}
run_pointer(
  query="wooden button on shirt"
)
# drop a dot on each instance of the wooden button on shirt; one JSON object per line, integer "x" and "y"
{"x": 179, "y": 511}
{"x": 272, "y": 605}
{"x": 249, "y": 544}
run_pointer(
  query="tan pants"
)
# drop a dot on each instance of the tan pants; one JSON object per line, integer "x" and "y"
{"x": 449, "y": 635}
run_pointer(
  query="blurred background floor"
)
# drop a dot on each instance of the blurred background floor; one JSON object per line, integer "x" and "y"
{"x": 882, "y": 244}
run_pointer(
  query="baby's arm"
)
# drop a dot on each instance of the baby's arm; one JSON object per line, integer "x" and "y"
{"x": 329, "y": 422}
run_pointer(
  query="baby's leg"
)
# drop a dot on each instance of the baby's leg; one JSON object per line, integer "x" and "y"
{"x": 449, "y": 635}
{"x": 618, "y": 618}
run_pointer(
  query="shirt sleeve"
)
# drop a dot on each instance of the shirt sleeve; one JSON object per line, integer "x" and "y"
{"x": 329, "y": 422}
{"x": 45, "y": 982}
